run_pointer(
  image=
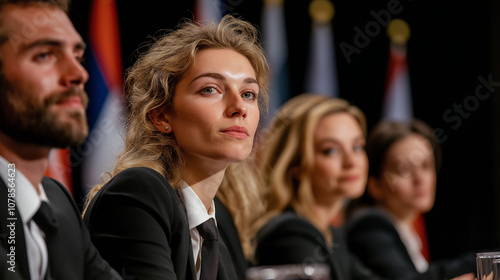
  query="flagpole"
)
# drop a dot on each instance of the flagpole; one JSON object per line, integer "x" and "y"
{"x": 322, "y": 70}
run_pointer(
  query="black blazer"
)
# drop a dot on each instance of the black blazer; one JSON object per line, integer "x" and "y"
{"x": 229, "y": 235}
{"x": 139, "y": 224}
{"x": 373, "y": 238}
{"x": 290, "y": 239}
{"x": 72, "y": 257}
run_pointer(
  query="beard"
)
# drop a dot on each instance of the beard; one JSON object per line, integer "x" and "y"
{"x": 25, "y": 119}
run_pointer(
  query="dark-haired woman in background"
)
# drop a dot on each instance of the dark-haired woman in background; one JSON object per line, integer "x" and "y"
{"x": 404, "y": 158}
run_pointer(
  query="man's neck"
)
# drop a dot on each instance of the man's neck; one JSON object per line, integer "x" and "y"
{"x": 31, "y": 160}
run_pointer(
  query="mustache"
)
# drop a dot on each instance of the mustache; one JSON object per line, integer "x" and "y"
{"x": 56, "y": 98}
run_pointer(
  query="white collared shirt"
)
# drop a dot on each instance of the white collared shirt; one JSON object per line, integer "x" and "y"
{"x": 197, "y": 214}
{"x": 27, "y": 203}
{"x": 413, "y": 245}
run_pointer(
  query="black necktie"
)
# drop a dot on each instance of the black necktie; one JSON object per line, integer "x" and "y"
{"x": 209, "y": 250}
{"x": 46, "y": 221}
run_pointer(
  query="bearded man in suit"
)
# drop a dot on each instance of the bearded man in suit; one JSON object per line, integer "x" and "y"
{"x": 42, "y": 106}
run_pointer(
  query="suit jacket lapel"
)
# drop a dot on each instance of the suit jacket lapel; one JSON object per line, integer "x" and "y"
{"x": 229, "y": 235}
{"x": 20, "y": 243}
{"x": 51, "y": 189}
{"x": 336, "y": 253}
{"x": 191, "y": 273}
{"x": 225, "y": 270}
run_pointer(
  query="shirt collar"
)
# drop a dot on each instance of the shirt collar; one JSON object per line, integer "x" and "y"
{"x": 27, "y": 199}
{"x": 196, "y": 211}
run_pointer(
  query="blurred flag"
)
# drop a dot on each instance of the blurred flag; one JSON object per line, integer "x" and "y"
{"x": 60, "y": 167}
{"x": 398, "y": 101}
{"x": 322, "y": 71}
{"x": 274, "y": 41}
{"x": 106, "y": 105}
{"x": 211, "y": 10}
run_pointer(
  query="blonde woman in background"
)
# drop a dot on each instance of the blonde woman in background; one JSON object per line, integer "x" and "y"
{"x": 194, "y": 101}
{"x": 312, "y": 160}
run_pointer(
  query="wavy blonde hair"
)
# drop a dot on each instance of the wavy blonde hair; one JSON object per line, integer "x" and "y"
{"x": 150, "y": 87}
{"x": 288, "y": 146}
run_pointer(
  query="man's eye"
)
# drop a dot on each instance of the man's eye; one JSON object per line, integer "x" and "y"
{"x": 43, "y": 56}
{"x": 80, "y": 59}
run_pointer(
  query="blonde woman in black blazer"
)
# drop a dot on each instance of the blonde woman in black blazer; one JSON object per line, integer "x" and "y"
{"x": 312, "y": 160}
{"x": 194, "y": 101}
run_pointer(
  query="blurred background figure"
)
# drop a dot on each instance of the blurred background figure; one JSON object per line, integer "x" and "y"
{"x": 312, "y": 160}
{"x": 404, "y": 158}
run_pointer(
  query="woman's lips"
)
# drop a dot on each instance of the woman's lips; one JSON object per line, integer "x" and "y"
{"x": 349, "y": 178}
{"x": 238, "y": 132}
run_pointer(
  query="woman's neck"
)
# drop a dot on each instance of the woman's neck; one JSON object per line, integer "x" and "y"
{"x": 204, "y": 179}
{"x": 324, "y": 213}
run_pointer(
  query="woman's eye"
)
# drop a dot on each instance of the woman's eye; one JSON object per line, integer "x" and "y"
{"x": 426, "y": 165}
{"x": 248, "y": 95}
{"x": 330, "y": 151}
{"x": 359, "y": 148}
{"x": 208, "y": 90}
{"x": 405, "y": 170}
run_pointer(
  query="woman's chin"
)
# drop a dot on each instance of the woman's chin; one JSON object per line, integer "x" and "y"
{"x": 238, "y": 157}
{"x": 355, "y": 191}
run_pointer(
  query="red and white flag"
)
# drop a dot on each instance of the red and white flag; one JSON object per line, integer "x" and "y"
{"x": 398, "y": 101}
{"x": 398, "y": 105}
{"x": 60, "y": 167}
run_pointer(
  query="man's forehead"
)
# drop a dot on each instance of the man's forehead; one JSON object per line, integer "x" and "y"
{"x": 22, "y": 24}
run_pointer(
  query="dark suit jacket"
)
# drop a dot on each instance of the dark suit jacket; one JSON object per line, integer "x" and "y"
{"x": 290, "y": 239}
{"x": 374, "y": 239}
{"x": 139, "y": 224}
{"x": 229, "y": 235}
{"x": 72, "y": 257}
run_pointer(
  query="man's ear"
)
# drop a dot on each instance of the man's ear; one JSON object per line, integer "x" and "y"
{"x": 160, "y": 120}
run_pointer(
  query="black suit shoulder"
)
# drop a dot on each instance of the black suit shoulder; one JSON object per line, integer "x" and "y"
{"x": 73, "y": 256}
{"x": 139, "y": 185}
{"x": 139, "y": 224}
{"x": 373, "y": 238}
{"x": 290, "y": 239}
{"x": 287, "y": 239}
{"x": 74, "y": 248}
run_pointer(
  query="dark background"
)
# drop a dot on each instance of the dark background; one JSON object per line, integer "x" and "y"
{"x": 452, "y": 43}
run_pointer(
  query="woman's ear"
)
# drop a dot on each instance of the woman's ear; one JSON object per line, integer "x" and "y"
{"x": 374, "y": 188}
{"x": 160, "y": 120}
